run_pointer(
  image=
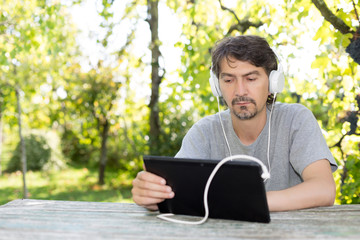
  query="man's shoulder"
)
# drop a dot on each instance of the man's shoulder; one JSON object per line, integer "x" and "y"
{"x": 206, "y": 121}
{"x": 292, "y": 113}
{"x": 292, "y": 108}
{"x": 212, "y": 121}
{"x": 209, "y": 119}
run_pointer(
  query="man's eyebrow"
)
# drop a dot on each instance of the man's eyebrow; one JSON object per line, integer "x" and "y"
{"x": 256, "y": 72}
{"x": 222, "y": 75}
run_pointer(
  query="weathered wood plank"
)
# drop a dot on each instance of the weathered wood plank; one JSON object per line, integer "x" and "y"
{"x": 42, "y": 219}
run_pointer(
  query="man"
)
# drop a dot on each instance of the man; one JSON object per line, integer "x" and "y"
{"x": 299, "y": 161}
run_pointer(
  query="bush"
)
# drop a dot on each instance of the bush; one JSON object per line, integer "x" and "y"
{"x": 42, "y": 153}
{"x": 37, "y": 154}
{"x": 74, "y": 150}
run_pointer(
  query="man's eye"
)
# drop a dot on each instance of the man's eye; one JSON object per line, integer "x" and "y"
{"x": 251, "y": 79}
{"x": 227, "y": 80}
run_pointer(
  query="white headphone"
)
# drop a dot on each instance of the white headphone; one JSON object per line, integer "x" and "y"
{"x": 276, "y": 80}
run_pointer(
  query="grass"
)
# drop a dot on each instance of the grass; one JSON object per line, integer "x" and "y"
{"x": 75, "y": 184}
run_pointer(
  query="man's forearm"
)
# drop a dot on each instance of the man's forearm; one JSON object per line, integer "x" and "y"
{"x": 318, "y": 189}
{"x": 311, "y": 193}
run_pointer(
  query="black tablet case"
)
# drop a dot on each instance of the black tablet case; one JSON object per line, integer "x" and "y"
{"x": 237, "y": 191}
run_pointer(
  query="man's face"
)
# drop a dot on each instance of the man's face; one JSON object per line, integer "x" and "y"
{"x": 244, "y": 88}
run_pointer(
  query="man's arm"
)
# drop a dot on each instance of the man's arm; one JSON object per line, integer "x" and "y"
{"x": 318, "y": 189}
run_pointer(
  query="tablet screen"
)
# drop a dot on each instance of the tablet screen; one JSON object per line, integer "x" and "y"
{"x": 237, "y": 191}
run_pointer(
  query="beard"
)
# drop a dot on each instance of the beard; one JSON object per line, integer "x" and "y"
{"x": 244, "y": 112}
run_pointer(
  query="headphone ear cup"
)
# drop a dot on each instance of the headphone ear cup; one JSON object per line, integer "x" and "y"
{"x": 214, "y": 84}
{"x": 277, "y": 77}
{"x": 276, "y": 81}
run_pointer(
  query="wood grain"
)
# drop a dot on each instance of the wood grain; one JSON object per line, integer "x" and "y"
{"x": 43, "y": 219}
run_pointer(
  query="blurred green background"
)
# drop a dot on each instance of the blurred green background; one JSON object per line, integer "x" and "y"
{"x": 88, "y": 87}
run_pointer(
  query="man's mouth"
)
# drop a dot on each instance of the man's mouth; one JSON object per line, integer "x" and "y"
{"x": 243, "y": 101}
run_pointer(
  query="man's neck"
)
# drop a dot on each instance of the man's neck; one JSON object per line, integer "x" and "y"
{"x": 249, "y": 130}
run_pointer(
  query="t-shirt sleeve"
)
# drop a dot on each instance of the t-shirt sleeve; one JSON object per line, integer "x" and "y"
{"x": 308, "y": 145}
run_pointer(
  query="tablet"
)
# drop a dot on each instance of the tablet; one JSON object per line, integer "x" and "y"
{"x": 237, "y": 191}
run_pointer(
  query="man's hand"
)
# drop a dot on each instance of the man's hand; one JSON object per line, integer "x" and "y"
{"x": 149, "y": 190}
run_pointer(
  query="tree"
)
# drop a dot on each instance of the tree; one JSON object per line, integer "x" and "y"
{"x": 29, "y": 48}
{"x": 102, "y": 98}
{"x": 96, "y": 98}
{"x": 22, "y": 144}
{"x": 156, "y": 76}
{"x": 349, "y": 192}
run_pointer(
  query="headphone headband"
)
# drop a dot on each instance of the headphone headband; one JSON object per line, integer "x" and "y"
{"x": 276, "y": 79}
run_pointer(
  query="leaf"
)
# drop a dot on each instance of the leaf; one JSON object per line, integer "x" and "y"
{"x": 323, "y": 33}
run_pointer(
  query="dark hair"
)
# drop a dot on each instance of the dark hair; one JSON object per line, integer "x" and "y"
{"x": 249, "y": 48}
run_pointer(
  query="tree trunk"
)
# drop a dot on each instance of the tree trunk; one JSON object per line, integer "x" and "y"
{"x": 153, "y": 21}
{"x": 1, "y": 130}
{"x": 103, "y": 154}
{"x": 22, "y": 143}
{"x": 1, "y": 138}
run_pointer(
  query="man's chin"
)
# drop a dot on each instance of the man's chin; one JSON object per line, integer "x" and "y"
{"x": 244, "y": 116}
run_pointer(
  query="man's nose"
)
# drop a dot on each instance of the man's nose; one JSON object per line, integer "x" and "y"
{"x": 241, "y": 87}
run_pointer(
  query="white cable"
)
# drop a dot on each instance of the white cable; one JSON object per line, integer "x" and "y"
{"x": 222, "y": 126}
{"x": 268, "y": 147}
{"x": 265, "y": 175}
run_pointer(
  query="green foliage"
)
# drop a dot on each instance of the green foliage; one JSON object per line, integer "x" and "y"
{"x": 38, "y": 53}
{"x": 74, "y": 149}
{"x": 43, "y": 152}
{"x": 350, "y": 188}
{"x": 37, "y": 153}
{"x": 175, "y": 124}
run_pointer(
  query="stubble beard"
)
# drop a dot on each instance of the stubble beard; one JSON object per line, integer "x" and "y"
{"x": 244, "y": 112}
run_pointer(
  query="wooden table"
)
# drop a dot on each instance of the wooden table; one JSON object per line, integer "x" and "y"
{"x": 42, "y": 219}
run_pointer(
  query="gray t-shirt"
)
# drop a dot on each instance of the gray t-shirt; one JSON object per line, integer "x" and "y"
{"x": 296, "y": 141}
